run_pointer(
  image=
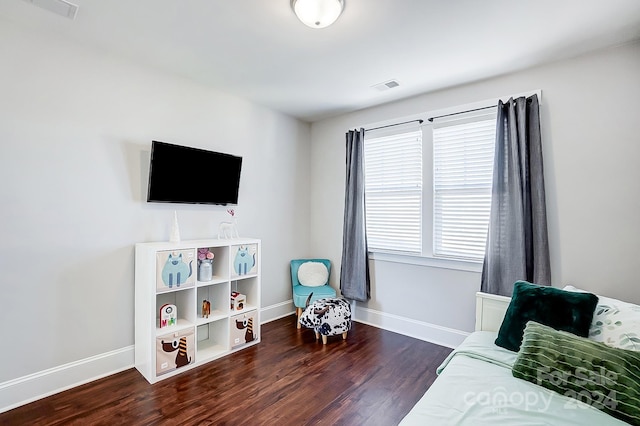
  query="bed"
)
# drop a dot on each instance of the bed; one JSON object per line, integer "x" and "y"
{"x": 476, "y": 386}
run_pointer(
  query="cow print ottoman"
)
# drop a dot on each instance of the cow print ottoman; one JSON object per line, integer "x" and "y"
{"x": 327, "y": 317}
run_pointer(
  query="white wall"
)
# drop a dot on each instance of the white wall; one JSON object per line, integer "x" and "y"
{"x": 591, "y": 142}
{"x": 75, "y": 132}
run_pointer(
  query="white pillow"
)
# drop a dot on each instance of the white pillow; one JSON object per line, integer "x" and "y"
{"x": 313, "y": 274}
{"x": 615, "y": 323}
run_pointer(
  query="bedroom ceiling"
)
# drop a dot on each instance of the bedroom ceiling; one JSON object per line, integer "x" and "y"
{"x": 258, "y": 50}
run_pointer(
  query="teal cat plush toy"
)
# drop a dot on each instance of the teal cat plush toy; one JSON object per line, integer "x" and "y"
{"x": 175, "y": 271}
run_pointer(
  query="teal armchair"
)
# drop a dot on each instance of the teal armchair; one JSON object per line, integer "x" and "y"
{"x": 301, "y": 292}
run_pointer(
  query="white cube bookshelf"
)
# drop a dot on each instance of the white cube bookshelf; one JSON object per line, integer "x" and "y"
{"x": 166, "y": 273}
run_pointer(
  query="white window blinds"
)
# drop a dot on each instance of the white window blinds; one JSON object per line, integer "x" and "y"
{"x": 463, "y": 150}
{"x": 393, "y": 190}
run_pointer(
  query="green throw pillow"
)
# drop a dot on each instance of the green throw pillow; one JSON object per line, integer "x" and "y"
{"x": 560, "y": 309}
{"x": 604, "y": 377}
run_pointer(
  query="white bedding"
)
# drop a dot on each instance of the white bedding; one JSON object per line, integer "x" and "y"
{"x": 475, "y": 387}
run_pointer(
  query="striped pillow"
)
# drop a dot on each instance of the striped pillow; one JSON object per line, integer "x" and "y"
{"x": 593, "y": 373}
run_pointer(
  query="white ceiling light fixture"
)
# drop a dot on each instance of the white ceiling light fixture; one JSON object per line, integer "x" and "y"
{"x": 317, "y": 13}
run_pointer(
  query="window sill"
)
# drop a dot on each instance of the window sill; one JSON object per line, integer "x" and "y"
{"x": 433, "y": 262}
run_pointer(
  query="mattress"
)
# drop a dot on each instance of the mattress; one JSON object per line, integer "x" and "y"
{"x": 475, "y": 387}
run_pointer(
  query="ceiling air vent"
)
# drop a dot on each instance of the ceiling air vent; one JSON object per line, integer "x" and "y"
{"x": 59, "y": 7}
{"x": 386, "y": 85}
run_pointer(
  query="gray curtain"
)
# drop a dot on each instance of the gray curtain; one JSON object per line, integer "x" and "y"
{"x": 517, "y": 241}
{"x": 354, "y": 273}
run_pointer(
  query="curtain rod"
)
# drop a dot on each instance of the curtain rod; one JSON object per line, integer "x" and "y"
{"x": 396, "y": 124}
{"x": 461, "y": 112}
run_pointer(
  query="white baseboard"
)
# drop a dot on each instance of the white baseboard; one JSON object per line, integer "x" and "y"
{"x": 26, "y": 389}
{"x": 437, "y": 334}
{"x": 277, "y": 311}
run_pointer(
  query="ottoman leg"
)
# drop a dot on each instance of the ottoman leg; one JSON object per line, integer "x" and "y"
{"x": 324, "y": 339}
{"x": 344, "y": 336}
{"x": 317, "y": 335}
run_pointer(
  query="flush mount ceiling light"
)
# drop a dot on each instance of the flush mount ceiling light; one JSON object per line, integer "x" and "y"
{"x": 317, "y": 13}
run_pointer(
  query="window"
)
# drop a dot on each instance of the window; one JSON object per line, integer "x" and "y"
{"x": 463, "y": 151}
{"x": 393, "y": 189}
{"x": 431, "y": 206}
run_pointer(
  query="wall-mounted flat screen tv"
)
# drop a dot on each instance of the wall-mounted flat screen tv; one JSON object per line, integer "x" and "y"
{"x": 181, "y": 174}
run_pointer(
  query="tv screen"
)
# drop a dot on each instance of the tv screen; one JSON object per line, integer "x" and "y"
{"x": 180, "y": 174}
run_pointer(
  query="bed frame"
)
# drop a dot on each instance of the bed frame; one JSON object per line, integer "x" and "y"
{"x": 490, "y": 309}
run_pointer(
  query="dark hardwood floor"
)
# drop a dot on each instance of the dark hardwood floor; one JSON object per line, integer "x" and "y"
{"x": 372, "y": 378}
